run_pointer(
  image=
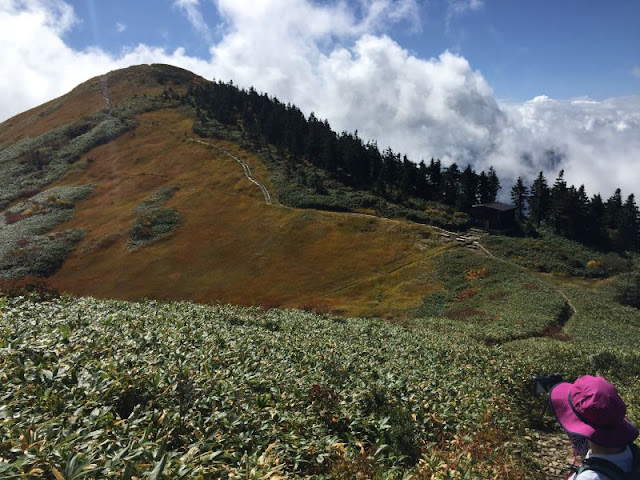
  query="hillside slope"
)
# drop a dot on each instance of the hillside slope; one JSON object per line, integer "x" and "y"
{"x": 229, "y": 245}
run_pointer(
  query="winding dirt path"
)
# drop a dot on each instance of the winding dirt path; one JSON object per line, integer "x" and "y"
{"x": 243, "y": 164}
{"x": 104, "y": 92}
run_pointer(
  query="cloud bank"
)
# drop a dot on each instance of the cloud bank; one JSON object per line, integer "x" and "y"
{"x": 344, "y": 67}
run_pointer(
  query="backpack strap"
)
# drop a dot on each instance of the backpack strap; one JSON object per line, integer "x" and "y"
{"x": 605, "y": 467}
{"x": 635, "y": 451}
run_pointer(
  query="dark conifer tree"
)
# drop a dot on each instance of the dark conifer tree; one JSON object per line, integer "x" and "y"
{"x": 408, "y": 178}
{"x": 519, "y": 194}
{"x": 353, "y": 160}
{"x": 539, "y": 200}
{"x": 390, "y": 172}
{"x": 494, "y": 184}
{"x": 434, "y": 173}
{"x": 468, "y": 190}
{"x": 484, "y": 194}
{"x": 596, "y": 231}
{"x": 560, "y": 205}
{"x": 613, "y": 210}
{"x": 630, "y": 225}
{"x": 329, "y": 152}
{"x": 314, "y": 140}
{"x": 577, "y": 214}
{"x": 451, "y": 184}
{"x": 423, "y": 187}
{"x": 374, "y": 161}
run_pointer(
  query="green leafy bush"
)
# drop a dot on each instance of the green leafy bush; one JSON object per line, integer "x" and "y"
{"x": 202, "y": 392}
{"x": 41, "y": 255}
{"x": 31, "y": 163}
{"x": 157, "y": 199}
{"x": 152, "y": 225}
{"x": 552, "y": 253}
{"x": 196, "y": 391}
{"x": 25, "y": 249}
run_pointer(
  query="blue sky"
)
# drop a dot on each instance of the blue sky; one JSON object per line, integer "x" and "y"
{"x": 507, "y": 83}
{"x": 563, "y": 49}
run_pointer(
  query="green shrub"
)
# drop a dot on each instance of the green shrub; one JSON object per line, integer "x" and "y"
{"x": 128, "y": 384}
{"x": 41, "y": 255}
{"x": 157, "y": 199}
{"x": 152, "y": 225}
{"x": 554, "y": 254}
{"x": 25, "y": 249}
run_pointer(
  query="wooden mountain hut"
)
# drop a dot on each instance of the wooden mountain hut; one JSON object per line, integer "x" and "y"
{"x": 494, "y": 216}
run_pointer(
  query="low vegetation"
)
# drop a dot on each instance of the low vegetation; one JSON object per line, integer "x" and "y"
{"x": 491, "y": 300}
{"x": 41, "y": 255}
{"x": 151, "y": 225}
{"x": 157, "y": 199}
{"x": 153, "y": 221}
{"x": 105, "y": 388}
{"x": 115, "y": 390}
{"x": 31, "y": 163}
{"x": 550, "y": 253}
{"x": 26, "y": 247}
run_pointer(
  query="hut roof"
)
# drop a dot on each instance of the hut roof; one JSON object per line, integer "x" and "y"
{"x": 503, "y": 207}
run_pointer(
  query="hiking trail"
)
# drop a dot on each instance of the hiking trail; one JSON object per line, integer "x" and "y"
{"x": 243, "y": 164}
{"x": 553, "y": 452}
{"x": 104, "y": 93}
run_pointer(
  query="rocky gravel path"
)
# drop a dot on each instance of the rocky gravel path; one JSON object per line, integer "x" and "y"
{"x": 554, "y": 454}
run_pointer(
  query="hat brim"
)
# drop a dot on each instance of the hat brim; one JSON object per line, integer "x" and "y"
{"x": 617, "y": 436}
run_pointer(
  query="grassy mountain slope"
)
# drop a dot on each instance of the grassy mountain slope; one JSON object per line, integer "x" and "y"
{"x": 82, "y": 101}
{"x": 229, "y": 245}
{"x": 170, "y": 215}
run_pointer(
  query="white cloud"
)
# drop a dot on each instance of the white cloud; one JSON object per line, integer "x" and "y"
{"x": 343, "y": 67}
{"x": 635, "y": 71}
{"x": 191, "y": 8}
{"x": 457, "y": 8}
{"x": 37, "y": 65}
{"x": 120, "y": 27}
{"x": 597, "y": 143}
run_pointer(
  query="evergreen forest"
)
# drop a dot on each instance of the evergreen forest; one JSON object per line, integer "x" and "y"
{"x": 608, "y": 225}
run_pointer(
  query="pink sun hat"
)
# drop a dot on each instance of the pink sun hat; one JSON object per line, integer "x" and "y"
{"x": 591, "y": 407}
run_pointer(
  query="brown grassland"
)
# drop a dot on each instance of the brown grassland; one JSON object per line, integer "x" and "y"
{"x": 80, "y": 102}
{"x": 230, "y": 246}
